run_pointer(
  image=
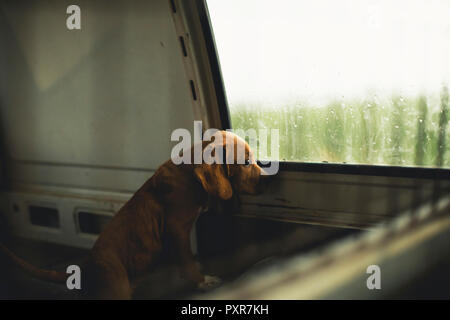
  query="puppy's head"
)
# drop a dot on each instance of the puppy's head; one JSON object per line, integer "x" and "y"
{"x": 239, "y": 170}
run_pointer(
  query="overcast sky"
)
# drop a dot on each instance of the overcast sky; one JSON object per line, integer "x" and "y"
{"x": 275, "y": 51}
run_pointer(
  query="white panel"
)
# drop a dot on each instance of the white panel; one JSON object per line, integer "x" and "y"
{"x": 109, "y": 94}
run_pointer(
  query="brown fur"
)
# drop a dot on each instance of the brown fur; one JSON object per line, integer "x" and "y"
{"x": 163, "y": 209}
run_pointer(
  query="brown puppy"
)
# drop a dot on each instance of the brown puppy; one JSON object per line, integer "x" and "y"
{"x": 163, "y": 209}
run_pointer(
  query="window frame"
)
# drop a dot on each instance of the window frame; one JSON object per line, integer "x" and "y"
{"x": 297, "y": 166}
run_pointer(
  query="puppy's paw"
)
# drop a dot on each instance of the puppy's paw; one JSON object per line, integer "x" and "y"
{"x": 209, "y": 283}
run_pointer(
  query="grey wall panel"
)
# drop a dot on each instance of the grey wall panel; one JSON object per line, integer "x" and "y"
{"x": 87, "y": 177}
{"x": 108, "y": 95}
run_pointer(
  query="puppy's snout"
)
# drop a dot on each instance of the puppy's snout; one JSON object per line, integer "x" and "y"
{"x": 263, "y": 172}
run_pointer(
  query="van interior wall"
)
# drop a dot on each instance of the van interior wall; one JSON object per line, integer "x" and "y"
{"x": 91, "y": 108}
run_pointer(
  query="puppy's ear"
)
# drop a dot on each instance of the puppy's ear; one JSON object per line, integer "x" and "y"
{"x": 214, "y": 181}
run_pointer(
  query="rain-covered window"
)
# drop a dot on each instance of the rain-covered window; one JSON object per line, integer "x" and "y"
{"x": 344, "y": 81}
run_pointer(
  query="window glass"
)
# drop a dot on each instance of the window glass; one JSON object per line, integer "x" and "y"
{"x": 344, "y": 81}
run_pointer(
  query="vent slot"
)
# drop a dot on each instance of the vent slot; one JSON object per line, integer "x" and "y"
{"x": 194, "y": 94}
{"x": 44, "y": 216}
{"x": 172, "y": 5}
{"x": 92, "y": 223}
{"x": 183, "y": 46}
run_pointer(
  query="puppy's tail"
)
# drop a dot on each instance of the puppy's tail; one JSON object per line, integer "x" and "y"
{"x": 47, "y": 275}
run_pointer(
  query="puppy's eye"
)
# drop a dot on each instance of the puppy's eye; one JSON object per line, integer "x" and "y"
{"x": 247, "y": 162}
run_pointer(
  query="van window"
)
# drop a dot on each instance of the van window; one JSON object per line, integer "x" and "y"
{"x": 361, "y": 82}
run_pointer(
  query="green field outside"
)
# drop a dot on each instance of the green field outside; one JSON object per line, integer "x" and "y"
{"x": 395, "y": 131}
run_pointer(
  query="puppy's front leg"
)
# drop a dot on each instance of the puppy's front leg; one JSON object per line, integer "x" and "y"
{"x": 189, "y": 268}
